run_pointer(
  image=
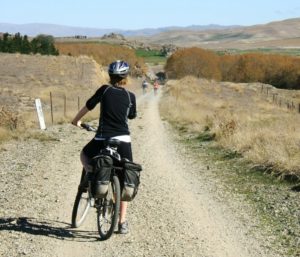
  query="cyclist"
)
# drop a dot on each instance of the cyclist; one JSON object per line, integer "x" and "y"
{"x": 117, "y": 105}
{"x": 144, "y": 86}
{"x": 155, "y": 86}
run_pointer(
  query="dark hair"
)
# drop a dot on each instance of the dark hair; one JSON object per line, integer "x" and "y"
{"x": 117, "y": 80}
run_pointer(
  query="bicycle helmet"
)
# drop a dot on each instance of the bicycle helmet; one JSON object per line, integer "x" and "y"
{"x": 119, "y": 68}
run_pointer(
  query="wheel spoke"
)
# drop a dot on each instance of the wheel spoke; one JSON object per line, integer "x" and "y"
{"x": 108, "y": 210}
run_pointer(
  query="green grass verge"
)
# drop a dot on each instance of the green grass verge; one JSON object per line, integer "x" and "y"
{"x": 151, "y": 56}
{"x": 281, "y": 51}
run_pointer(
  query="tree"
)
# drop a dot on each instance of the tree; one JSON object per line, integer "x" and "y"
{"x": 26, "y": 46}
{"x": 44, "y": 44}
{"x": 6, "y": 43}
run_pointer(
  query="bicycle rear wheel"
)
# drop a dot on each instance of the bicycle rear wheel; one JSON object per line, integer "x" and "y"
{"x": 108, "y": 210}
{"x": 81, "y": 207}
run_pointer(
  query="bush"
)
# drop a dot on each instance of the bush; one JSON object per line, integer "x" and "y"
{"x": 193, "y": 61}
{"x": 9, "y": 119}
{"x": 277, "y": 70}
{"x": 105, "y": 54}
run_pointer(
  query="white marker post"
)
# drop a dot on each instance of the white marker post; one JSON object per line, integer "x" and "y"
{"x": 40, "y": 114}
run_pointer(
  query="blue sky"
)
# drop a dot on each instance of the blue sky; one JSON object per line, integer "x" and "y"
{"x": 137, "y": 14}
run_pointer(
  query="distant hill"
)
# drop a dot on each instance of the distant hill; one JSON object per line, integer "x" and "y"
{"x": 34, "y": 29}
{"x": 280, "y": 34}
{"x": 274, "y": 34}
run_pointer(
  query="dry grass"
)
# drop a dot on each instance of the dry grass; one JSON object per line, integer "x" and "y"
{"x": 23, "y": 78}
{"x": 5, "y": 134}
{"x": 241, "y": 118}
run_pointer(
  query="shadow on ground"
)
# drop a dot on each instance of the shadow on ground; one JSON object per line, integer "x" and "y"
{"x": 48, "y": 228}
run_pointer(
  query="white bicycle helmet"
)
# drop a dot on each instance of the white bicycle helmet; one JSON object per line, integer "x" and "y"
{"x": 119, "y": 68}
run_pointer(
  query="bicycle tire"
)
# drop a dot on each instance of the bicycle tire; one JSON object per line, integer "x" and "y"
{"x": 78, "y": 215}
{"x": 108, "y": 211}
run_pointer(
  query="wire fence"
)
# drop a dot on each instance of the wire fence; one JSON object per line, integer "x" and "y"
{"x": 280, "y": 100}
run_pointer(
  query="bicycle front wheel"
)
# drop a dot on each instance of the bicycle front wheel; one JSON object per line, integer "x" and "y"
{"x": 81, "y": 207}
{"x": 108, "y": 210}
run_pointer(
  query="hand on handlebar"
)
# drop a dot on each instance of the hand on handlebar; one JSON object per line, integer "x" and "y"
{"x": 78, "y": 123}
{"x": 87, "y": 127}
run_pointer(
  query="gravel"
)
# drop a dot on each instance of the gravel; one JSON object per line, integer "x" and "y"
{"x": 181, "y": 208}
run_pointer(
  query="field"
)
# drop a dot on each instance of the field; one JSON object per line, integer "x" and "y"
{"x": 151, "y": 56}
{"x": 241, "y": 118}
{"x": 281, "y": 51}
{"x": 25, "y": 78}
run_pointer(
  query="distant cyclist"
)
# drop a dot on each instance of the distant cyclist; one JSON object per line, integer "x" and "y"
{"x": 155, "y": 87}
{"x": 117, "y": 106}
{"x": 144, "y": 86}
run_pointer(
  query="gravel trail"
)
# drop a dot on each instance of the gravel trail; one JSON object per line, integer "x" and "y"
{"x": 176, "y": 213}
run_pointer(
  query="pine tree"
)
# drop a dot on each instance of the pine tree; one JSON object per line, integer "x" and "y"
{"x": 26, "y": 46}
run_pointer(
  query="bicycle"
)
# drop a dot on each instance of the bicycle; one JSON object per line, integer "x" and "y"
{"x": 107, "y": 207}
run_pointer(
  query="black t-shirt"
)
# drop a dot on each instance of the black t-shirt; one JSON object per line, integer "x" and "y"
{"x": 117, "y": 105}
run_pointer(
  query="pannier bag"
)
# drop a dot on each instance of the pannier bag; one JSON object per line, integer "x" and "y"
{"x": 131, "y": 180}
{"x": 102, "y": 171}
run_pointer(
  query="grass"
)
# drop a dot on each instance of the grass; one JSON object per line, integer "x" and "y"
{"x": 281, "y": 51}
{"x": 25, "y": 78}
{"x": 273, "y": 201}
{"x": 151, "y": 56}
{"x": 229, "y": 36}
{"x": 270, "y": 199}
{"x": 240, "y": 118}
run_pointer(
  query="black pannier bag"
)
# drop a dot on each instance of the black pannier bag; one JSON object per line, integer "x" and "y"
{"x": 102, "y": 170}
{"x": 131, "y": 180}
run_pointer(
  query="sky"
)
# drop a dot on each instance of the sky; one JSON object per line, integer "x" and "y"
{"x": 139, "y": 14}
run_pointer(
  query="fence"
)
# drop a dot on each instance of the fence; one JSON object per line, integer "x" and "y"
{"x": 62, "y": 106}
{"x": 280, "y": 100}
{"x": 59, "y": 108}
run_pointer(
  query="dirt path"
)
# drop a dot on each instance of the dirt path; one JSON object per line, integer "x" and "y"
{"x": 176, "y": 213}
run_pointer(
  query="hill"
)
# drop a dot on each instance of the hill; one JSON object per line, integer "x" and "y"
{"x": 275, "y": 34}
{"x": 33, "y": 29}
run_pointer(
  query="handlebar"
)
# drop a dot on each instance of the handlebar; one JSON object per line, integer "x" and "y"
{"x": 88, "y": 127}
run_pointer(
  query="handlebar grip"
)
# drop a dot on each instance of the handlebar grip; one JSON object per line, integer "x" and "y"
{"x": 88, "y": 127}
{"x": 84, "y": 125}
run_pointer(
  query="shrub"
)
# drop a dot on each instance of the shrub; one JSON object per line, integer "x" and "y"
{"x": 9, "y": 119}
{"x": 193, "y": 61}
{"x": 277, "y": 70}
{"x": 104, "y": 54}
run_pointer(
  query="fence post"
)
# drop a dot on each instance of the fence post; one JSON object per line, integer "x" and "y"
{"x": 51, "y": 107}
{"x": 65, "y": 106}
{"x": 39, "y": 110}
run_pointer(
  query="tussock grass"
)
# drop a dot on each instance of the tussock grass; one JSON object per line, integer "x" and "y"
{"x": 5, "y": 135}
{"x": 238, "y": 117}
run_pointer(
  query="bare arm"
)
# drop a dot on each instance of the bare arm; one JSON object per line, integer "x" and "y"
{"x": 76, "y": 121}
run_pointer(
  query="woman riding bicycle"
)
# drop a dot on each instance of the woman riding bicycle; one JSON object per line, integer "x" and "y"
{"x": 117, "y": 106}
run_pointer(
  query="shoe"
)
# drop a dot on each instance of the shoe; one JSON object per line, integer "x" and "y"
{"x": 123, "y": 227}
